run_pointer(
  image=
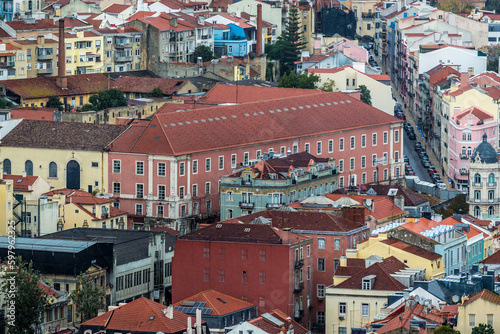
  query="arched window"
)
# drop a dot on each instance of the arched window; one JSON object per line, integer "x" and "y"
{"x": 52, "y": 169}
{"x": 477, "y": 212}
{"x": 477, "y": 178}
{"x": 28, "y": 167}
{"x": 491, "y": 211}
{"x": 491, "y": 178}
{"x": 7, "y": 166}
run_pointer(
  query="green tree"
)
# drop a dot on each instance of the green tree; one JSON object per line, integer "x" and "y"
{"x": 366, "y": 95}
{"x": 88, "y": 298}
{"x": 493, "y": 5}
{"x": 483, "y": 329}
{"x": 26, "y": 301}
{"x": 289, "y": 44}
{"x": 156, "y": 92}
{"x": 108, "y": 99}
{"x": 457, "y": 205}
{"x": 454, "y": 6}
{"x": 329, "y": 86}
{"x": 492, "y": 53}
{"x": 204, "y": 52}
{"x": 299, "y": 80}
{"x": 446, "y": 330}
{"x": 5, "y": 104}
{"x": 55, "y": 102}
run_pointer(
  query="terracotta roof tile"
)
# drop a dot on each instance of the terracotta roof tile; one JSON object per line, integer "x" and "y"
{"x": 116, "y": 8}
{"x": 141, "y": 315}
{"x": 441, "y": 73}
{"x": 41, "y": 114}
{"x": 114, "y": 212}
{"x": 411, "y": 198}
{"x": 402, "y": 320}
{"x": 21, "y": 183}
{"x": 62, "y": 135}
{"x": 479, "y": 113}
{"x": 220, "y": 303}
{"x": 411, "y": 249}
{"x": 249, "y": 233}
{"x": 483, "y": 294}
{"x": 383, "y": 206}
{"x": 220, "y": 127}
{"x": 493, "y": 258}
{"x": 43, "y": 24}
{"x": 145, "y": 85}
{"x": 493, "y": 92}
{"x": 271, "y": 328}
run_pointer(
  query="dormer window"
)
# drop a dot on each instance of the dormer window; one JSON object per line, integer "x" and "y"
{"x": 367, "y": 282}
{"x": 273, "y": 176}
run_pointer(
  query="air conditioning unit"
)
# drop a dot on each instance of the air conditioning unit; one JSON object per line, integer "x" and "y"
{"x": 342, "y": 317}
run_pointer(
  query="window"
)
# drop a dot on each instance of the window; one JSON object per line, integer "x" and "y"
{"x": 385, "y": 137}
{"x": 330, "y": 146}
{"x": 472, "y": 320}
{"x": 366, "y": 284}
{"x": 365, "y": 310}
{"x": 374, "y": 139}
{"x": 342, "y": 308}
{"x": 52, "y": 169}
{"x": 221, "y": 163}
{"x": 262, "y": 278}
{"x": 262, "y": 255}
{"x": 138, "y": 209}
{"x": 195, "y": 190}
{"x": 139, "y": 167}
{"x": 337, "y": 244}
{"x": 363, "y": 140}
{"x": 233, "y": 160}
{"x": 347, "y": 82}
{"x": 318, "y": 147}
{"x": 244, "y": 277}
{"x": 206, "y": 275}
{"x": 209, "y": 206}
{"x": 491, "y": 179}
{"x": 341, "y": 165}
{"x": 28, "y": 167}
{"x": 159, "y": 210}
{"x": 306, "y": 148}
{"x": 321, "y": 317}
{"x": 206, "y": 253}
{"x": 162, "y": 169}
{"x": 181, "y": 192}
{"x": 116, "y": 187}
{"x": 7, "y": 166}
{"x": 182, "y": 168}
{"x": 396, "y": 136}
{"x": 341, "y": 182}
{"x": 139, "y": 190}
{"x": 321, "y": 264}
{"x": 489, "y": 319}
{"x": 342, "y": 330}
{"x": 207, "y": 164}
{"x": 308, "y": 252}
{"x": 352, "y": 164}
{"x": 386, "y": 175}
{"x": 341, "y": 144}
{"x": 353, "y": 143}
{"x": 245, "y": 157}
{"x": 221, "y": 276}
{"x": 207, "y": 188}
{"x": 222, "y": 253}
{"x": 363, "y": 161}
{"x": 321, "y": 243}
{"x": 320, "y": 290}
{"x": 195, "y": 166}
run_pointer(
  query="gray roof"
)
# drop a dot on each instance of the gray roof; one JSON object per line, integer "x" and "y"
{"x": 63, "y": 246}
{"x": 485, "y": 151}
{"x": 129, "y": 245}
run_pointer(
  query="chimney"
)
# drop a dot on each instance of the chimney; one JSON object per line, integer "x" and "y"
{"x": 24, "y": 173}
{"x": 61, "y": 80}
{"x": 259, "y": 29}
{"x": 189, "y": 326}
{"x": 201, "y": 20}
{"x": 40, "y": 40}
{"x": 173, "y": 22}
{"x": 198, "y": 321}
{"x": 399, "y": 201}
{"x": 464, "y": 79}
{"x": 169, "y": 312}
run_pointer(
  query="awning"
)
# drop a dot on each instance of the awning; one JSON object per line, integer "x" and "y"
{"x": 7, "y": 54}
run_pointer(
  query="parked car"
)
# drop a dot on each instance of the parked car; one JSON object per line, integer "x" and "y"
{"x": 412, "y": 136}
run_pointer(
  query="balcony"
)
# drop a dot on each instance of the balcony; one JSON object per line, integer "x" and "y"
{"x": 7, "y": 63}
{"x": 298, "y": 314}
{"x": 45, "y": 56}
{"x": 45, "y": 71}
{"x": 463, "y": 171}
{"x": 298, "y": 287}
{"x": 477, "y": 184}
{"x": 205, "y": 36}
{"x": 246, "y": 205}
{"x": 464, "y": 156}
{"x": 122, "y": 59}
{"x": 492, "y": 184}
{"x": 297, "y": 264}
{"x": 273, "y": 205}
{"x": 477, "y": 200}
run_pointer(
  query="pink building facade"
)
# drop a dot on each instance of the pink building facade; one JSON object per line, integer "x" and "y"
{"x": 168, "y": 168}
{"x": 466, "y": 131}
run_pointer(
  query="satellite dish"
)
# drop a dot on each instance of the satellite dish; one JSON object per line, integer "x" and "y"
{"x": 455, "y": 299}
{"x": 426, "y": 302}
{"x": 406, "y": 295}
{"x": 481, "y": 265}
{"x": 417, "y": 298}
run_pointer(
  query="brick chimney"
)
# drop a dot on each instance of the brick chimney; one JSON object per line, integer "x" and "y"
{"x": 61, "y": 80}
{"x": 259, "y": 30}
{"x": 464, "y": 79}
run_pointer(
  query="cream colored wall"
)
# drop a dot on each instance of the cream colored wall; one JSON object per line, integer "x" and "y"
{"x": 42, "y": 157}
{"x": 94, "y": 66}
{"x": 373, "y": 246}
{"x": 6, "y": 197}
{"x": 480, "y": 308}
{"x": 353, "y": 299}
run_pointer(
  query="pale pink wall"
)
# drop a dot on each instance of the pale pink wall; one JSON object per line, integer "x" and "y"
{"x": 352, "y": 50}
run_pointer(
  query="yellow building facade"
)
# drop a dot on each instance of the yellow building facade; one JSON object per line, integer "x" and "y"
{"x": 307, "y": 23}
{"x": 480, "y": 308}
{"x": 83, "y": 52}
{"x": 6, "y": 202}
{"x": 432, "y": 263}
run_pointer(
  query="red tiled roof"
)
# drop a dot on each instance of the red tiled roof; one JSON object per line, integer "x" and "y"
{"x": 441, "y": 73}
{"x": 116, "y": 8}
{"x": 304, "y": 221}
{"x": 47, "y": 290}
{"x": 492, "y": 75}
{"x": 162, "y": 23}
{"x": 4, "y": 34}
{"x": 382, "y": 271}
{"x": 21, "y": 183}
{"x": 493, "y": 92}
{"x": 242, "y": 23}
{"x": 475, "y": 111}
{"x": 483, "y": 294}
{"x": 93, "y": 216}
{"x": 141, "y": 315}
{"x": 220, "y": 127}
{"x": 43, "y": 24}
{"x": 173, "y": 4}
{"x": 411, "y": 249}
{"x": 78, "y": 196}
{"x": 271, "y": 328}
{"x": 146, "y": 85}
{"x": 250, "y": 233}
{"x": 140, "y": 15}
{"x": 327, "y": 70}
{"x": 461, "y": 91}
{"x": 44, "y": 87}
{"x": 493, "y": 258}
{"x": 353, "y": 267}
{"x": 220, "y": 303}
{"x": 402, "y": 320}
{"x": 165, "y": 229}
{"x": 73, "y": 22}
{"x": 114, "y": 212}
{"x": 379, "y": 77}
{"x": 228, "y": 93}
{"x": 42, "y": 114}
{"x": 383, "y": 206}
